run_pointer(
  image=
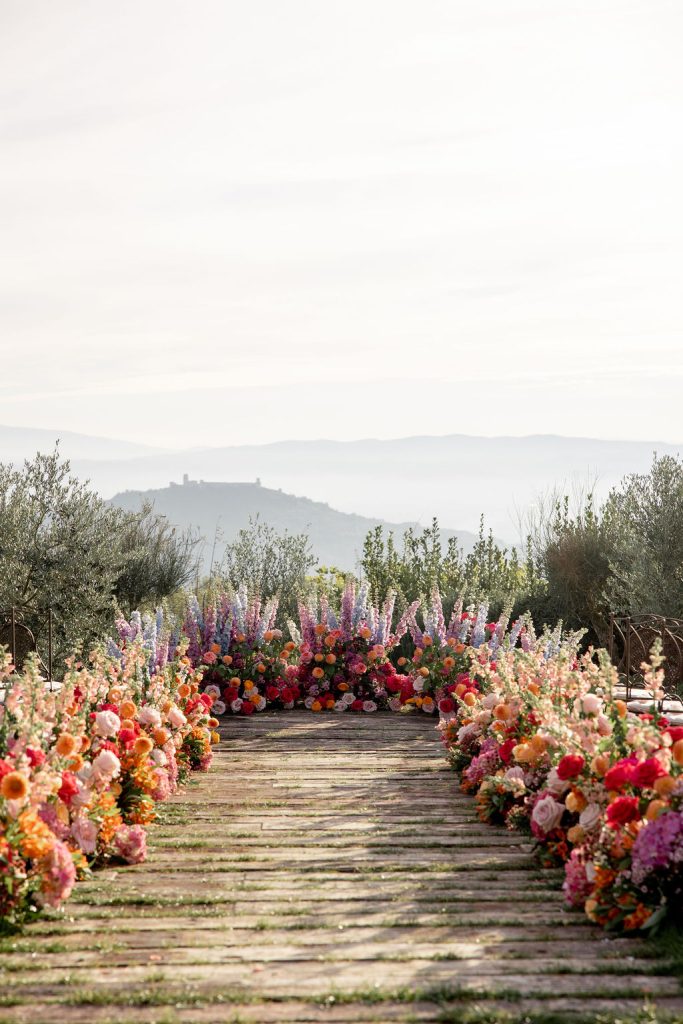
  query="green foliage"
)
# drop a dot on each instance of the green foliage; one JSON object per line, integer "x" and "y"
{"x": 269, "y": 563}
{"x": 62, "y": 547}
{"x": 645, "y": 517}
{"x": 489, "y": 572}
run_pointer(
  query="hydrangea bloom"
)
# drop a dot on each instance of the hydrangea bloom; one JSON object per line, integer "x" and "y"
{"x": 658, "y": 847}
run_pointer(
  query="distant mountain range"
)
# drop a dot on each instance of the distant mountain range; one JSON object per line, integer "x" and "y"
{"x": 220, "y": 510}
{"x": 411, "y": 479}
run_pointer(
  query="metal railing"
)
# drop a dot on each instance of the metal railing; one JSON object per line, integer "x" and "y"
{"x": 631, "y": 638}
{"x": 19, "y": 638}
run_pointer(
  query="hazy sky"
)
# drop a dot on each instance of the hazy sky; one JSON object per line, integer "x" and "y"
{"x": 233, "y": 221}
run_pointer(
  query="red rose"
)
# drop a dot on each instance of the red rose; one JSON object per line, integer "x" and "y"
{"x": 69, "y": 787}
{"x": 272, "y": 693}
{"x": 206, "y": 699}
{"x": 394, "y": 684}
{"x": 247, "y": 707}
{"x": 675, "y": 732}
{"x": 620, "y": 774}
{"x": 644, "y": 774}
{"x": 35, "y": 757}
{"x": 570, "y": 766}
{"x": 622, "y": 810}
{"x": 230, "y": 693}
{"x": 446, "y": 705}
{"x": 357, "y": 705}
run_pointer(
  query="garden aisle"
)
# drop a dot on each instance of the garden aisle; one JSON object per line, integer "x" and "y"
{"x": 326, "y": 870}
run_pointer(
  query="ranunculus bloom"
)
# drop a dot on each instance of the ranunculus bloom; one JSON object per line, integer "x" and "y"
{"x": 620, "y": 774}
{"x": 622, "y": 810}
{"x": 645, "y": 774}
{"x": 570, "y": 766}
{"x": 69, "y": 787}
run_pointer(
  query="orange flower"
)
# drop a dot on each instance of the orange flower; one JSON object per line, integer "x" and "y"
{"x": 290, "y": 645}
{"x": 241, "y": 638}
{"x": 448, "y": 662}
{"x": 14, "y": 786}
{"x": 427, "y": 641}
{"x": 424, "y": 672}
{"x": 37, "y": 839}
{"x": 343, "y": 687}
{"x": 329, "y": 703}
{"x": 127, "y": 723}
{"x": 128, "y": 709}
{"x": 329, "y": 641}
{"x": 67, "y": 744}
{"x": 330, "y": 658}
{"x": 183, "y": 690}
{"x": 318, "y": 657}
{"x": 261, "y": 667}
{"x": 235, "y": 681}
{"x": 268, "y": 635}
{"x": 320, "y": 629}
{"x": 318, "y": 673}
{"x": 216, "y": 648}
{"x": 459, "y": 648}
{"x": 143, "y": 746}
{"x": 365, "y": 633}
{"x": 76, "y": 763}
{"x": 316, "y": 706}
{"x": 402, "y": 661}
{"x": 227, "y": 659}
{"x": 161, "y": 736}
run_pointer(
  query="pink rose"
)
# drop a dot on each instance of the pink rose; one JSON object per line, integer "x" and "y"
{"x": 546, "y": 815}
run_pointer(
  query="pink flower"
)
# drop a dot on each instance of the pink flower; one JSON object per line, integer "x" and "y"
{"x": 58, "y": 875}
{"x": 130, "y": 843}
{"x": 106, "y": 765}
{"x": 84, "y": 832}
{"x": 546, "y": 815}
{"x": 107, "y": 723}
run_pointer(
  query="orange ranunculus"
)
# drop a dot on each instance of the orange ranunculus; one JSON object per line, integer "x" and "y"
{"x": 427, "y": 641}
{"x": 261, "y": 668}
{"x": 575, "y": 801}
{"x": 240, "y": 638}
{"x": 290, "y": 645}
{"x": 502, "y": 712}
{"x": 76, "y": 762}
{"x": 469, "y": 699}
{"x": 448, "y": 662}
{"x": 365, "y": 633}
{"x": 424, "y": 672}
{"x": 235, "y": 681}
{"x": 576, "y": 834}
{"x": 249, "y": 684}
{"x": 538, "y": 743}
{"x": 215, "y": 648}
{"x": 316, "y": 706}
{"x": 268, "y": 635}
{"x": 143, "y": 746}
{"x": 184, "y": 690}
{"x": 451, "y": 641}
{"x": 320, "y": 630}
{"x": 600, "y": 764}
{"x": 664, "y": 785}
{"x": 343, "y": 687}
{"x": 14, "y": 786}
{"x": 213, "y": 723}
{"x": 621, "y": 707}
{"x": 215, "y": 737}
{"x": 318, "y": 657}
{"x": 655, "y": 808}
{"x": 329, "y": 641}
{"x": 127, "y": 723}
{"x": 318, "y": 673}
{"x": 330, "y": 658}
{"x": 67, "y": 744}
{"x": 115, "y": 694}
{"x": 402, "y": 661}
{"x": 127, "y": 709}
{"x": 227, "y": 659}
{"x": 329, "y": 703}
{"x": 459, "y": 648}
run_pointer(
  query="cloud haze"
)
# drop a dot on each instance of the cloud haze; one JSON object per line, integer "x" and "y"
{"x": 231, "y": 222}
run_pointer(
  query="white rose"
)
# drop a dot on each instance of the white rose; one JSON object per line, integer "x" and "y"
{"x": 159, "y": 757}
{"x": 418, "y": 684}
{"x": 106, "y": 764}
{"x": 176, "y": 718}
{"x": 547, "y": 814}
{"x": 369, "y": 705}
{"x": 149, "y": 716}
{"x": 107, "y": 723}
{"x": 218, "y": 707}
{"x": 591, "y": 704}
{"x": 590, "y": 817}
{"x": 236, "y": 704}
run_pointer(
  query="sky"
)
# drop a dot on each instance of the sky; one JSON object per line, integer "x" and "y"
{"x": 228, "y": 222}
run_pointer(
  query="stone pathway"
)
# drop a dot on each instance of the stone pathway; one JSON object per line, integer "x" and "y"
{"x": 327, "y": 869}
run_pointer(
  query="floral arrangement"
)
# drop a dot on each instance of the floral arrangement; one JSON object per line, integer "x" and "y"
{"x": 83, "y": 767}
{"x": 344, "y": 661}
{"x": 547, "y": 749}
